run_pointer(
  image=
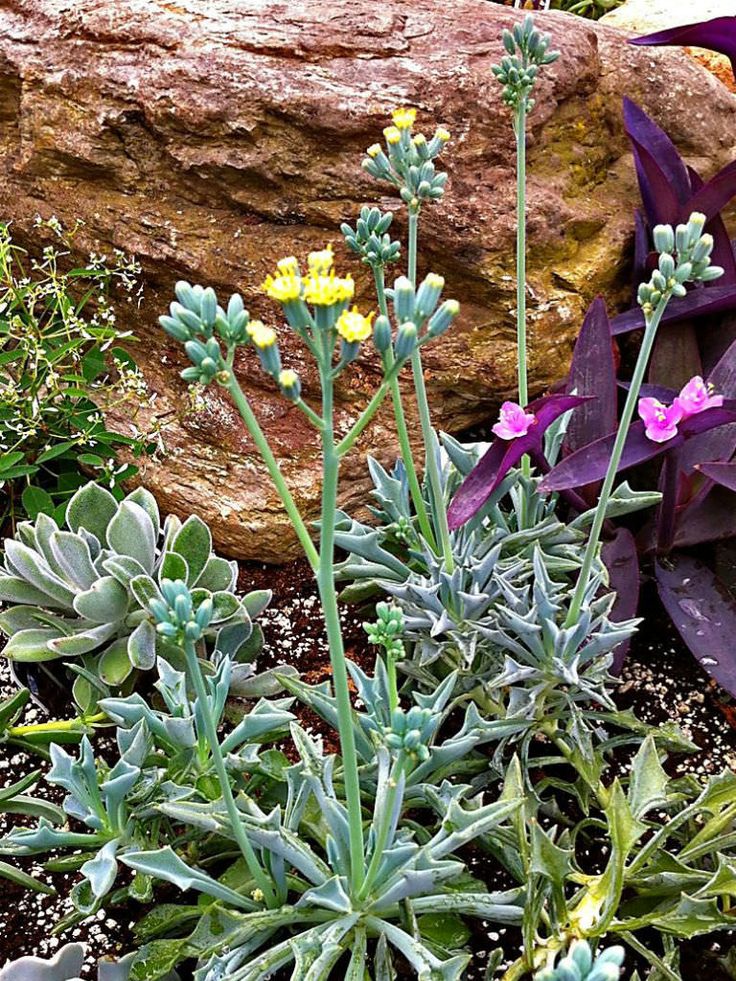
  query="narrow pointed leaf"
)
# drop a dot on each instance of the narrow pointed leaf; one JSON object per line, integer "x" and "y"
{"x": 593, "y": 373}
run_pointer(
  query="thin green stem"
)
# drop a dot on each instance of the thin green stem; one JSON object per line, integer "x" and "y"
{"x": 521, "y": 355}
{"x": 425, "y": 420}
{"x": 402, "y": 431}
{"x": 309, "y": 412}
{"x": 248, "y": 416}
{"x": 591, "y": 549}
{"x": 195, "y": 676}
{"x": 328, "y": 596}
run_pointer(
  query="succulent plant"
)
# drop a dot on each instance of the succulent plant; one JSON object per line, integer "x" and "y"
{"x": 67, "y": 964}
{"x": 81, "y": 592}
{"x": 579, "y": 964}
{"x": 163, "y": 755}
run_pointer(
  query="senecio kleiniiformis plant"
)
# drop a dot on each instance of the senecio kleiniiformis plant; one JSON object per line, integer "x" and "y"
{"x": 81, "y": 593}
{"x": 358, "y": 875}
{"x": 164, "y": 755}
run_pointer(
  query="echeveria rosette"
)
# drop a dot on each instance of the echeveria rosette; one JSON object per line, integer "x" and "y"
{"x": 717, "y": 34}
{"x": 516, "y": 435}
{"x": 80, "y": 593}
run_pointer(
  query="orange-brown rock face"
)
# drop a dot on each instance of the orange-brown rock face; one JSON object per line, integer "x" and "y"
{"x": 213, "y": 138}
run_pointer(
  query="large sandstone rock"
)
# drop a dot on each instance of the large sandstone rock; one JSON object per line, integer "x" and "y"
{"x": 212, "y": 138}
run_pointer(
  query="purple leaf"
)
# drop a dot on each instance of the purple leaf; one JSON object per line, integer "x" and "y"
{"x": 721, "y": 473}
{"x": 591, "y": 462}
{"x": 664, "y": 182}
{"x": 718, "y": 34}
{"x": 502, "y": 455}
{"x": 722, "y": 254}
{"x": 622, "y": 561}
{"x": 641, "y": 252}
{"x": 708, "y": 299}
{"x": 704, "y": 613}
{"x": 710, "y": 517}
{"x": 593, "y": 373}
{"x": 676, "y": 357}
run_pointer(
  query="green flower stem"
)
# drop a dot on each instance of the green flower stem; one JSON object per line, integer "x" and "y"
{"x": 309, "y": 412}
{"x": 195, "y": 676}
{"x": 370, "y": 410}
{"x": 401, "y": 429}
{"x": 393, "y": 682}
{"x": 243, "y": 406}
{"x": 428, "y": 434}
{"x": 591, "y": 549}
{"x": 384, "y": 818}
{"x": 328, "y": 596}
{"x": 521, "y": 355}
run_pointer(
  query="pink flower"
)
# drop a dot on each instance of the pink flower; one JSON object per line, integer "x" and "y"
{"x": 696, "y": 397}
{"x": 660, "y": 420}
{"x": 513, "y": 421}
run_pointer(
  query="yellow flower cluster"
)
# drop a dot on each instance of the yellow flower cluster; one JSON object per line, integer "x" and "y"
{"x": 353, "y": 327}
{"x": 261, "y": 335}
{"x": 404, "y": 118}
{"x": 392, "y": 134}
{"x": 284, "y": 288}
{"x": 326, "y": 291}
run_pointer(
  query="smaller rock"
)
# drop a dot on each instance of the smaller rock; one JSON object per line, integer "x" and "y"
{"x": 647, "y": 16}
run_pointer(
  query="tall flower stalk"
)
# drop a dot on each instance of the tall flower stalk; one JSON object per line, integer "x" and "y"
{"x": 316, "y": 305}
{"x": 526, "y": 51}
{"x": 408, "y": 164}
{"x": 684, "y": 257}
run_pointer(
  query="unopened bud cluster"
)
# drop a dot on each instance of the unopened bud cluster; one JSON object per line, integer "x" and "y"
{"x": 370, "y": 238}
{"x": 684, "y": 257}
{"x": 527, "y": 51}
{"x": 419, "y": 314}
{"x": 387, "y": 630}
{"x": 175, "y": 614}
{"x": 410, "y": 732}
{"x": 197, "y": 320}
{"x": 407, "y": 161}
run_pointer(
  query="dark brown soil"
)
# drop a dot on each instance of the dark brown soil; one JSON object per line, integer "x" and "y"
{"x": 661, "y": 681}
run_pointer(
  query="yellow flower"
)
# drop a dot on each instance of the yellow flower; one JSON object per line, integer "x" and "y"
{"x": 442, "y": 134}
{"x": 288, "y": 378}
{"x": 288, "y": 266}
{"x": 404, "y": 118}
{"x": 435, "y": 281}
{"x": 352, "y": 326}
{"x": 392, "y": 134}
{"x": 283, "y": 288}
{"x": 261, "y": 335}
{"x": 320, "y": 262}
{"x": 419, "y": 140}
{"x": 373, "y": 150}
{"x": 326, "y": 291}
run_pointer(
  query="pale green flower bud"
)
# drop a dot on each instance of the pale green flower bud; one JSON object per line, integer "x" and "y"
{"x": 403, "y": 299}
{"x": 406, "y": 340}
{"x": 664, "y": 238}
{"x": 443, "y": 317}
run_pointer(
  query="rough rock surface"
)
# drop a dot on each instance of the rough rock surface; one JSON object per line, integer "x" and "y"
{"x": 647, "y": 16}
{"x": 211, "y": 139}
